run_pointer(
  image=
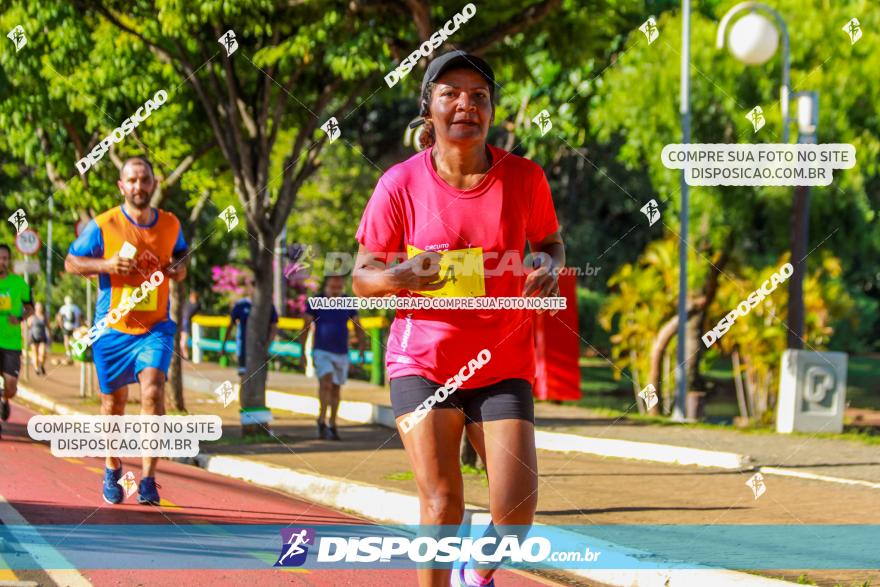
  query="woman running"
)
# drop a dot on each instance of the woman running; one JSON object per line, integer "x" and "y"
{"x": 469, "y": 208}
{"x": 38, "y": 333}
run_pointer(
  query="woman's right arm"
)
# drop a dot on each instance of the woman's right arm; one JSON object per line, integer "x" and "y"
{"x": 373, "y": 277}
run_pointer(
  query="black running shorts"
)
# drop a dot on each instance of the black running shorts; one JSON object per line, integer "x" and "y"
{"x": 504, "y": 400}
{"x": 10, "y": 362}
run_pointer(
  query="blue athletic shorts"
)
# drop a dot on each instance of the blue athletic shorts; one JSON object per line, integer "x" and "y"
{"x": 119, "y": 357}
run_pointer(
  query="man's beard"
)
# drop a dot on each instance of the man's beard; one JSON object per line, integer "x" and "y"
{"x": 146, "y": 201}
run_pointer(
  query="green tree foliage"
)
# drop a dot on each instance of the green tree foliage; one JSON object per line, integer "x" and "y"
{"x": 638, "y": 105}
{"x": 643, "y": 300}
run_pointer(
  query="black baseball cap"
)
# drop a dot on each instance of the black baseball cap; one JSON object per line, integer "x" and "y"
{"x": 453, "y": 60}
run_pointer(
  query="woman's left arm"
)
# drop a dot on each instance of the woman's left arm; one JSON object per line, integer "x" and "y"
{"x": 549, "y": 255}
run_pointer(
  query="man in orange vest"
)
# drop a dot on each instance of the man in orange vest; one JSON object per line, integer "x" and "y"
{"x": 132, "y": 248}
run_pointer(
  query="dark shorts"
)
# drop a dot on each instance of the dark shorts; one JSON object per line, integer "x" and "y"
{"x": 10, "y": 362}
{"x": 504, "y": 400}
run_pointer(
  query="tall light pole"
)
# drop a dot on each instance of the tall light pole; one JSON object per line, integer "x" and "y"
{"x": 678, "y": 410}
{"x": 808, "y": 122}
{"x": 753, "y": 40}
{"x": 48, "y": 304}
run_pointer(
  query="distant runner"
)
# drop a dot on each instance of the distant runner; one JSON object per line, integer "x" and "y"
{"x": 193, "y": 307}
{"x": 239, "y": 315}
{"x": 330, "y": 353}
{"x": 69, "y": 318}
{"x": 16, "y": 306}
{"x": 125, "y": 246}
{"x": 38, "y": 337}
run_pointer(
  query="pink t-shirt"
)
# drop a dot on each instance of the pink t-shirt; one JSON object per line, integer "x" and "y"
{"x": 413, "y": 206}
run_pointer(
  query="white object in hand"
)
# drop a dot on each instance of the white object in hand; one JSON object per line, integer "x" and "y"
{"x": 127, "y": 251}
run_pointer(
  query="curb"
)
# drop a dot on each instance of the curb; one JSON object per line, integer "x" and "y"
{"x": 816, "y": 477}
{"x": 360, "y": 412}
{"x": 42, "y": 401}
{"x": 371, "y": 413}
{"x": 383, "y": 505}
{"x": 644, "y": 451}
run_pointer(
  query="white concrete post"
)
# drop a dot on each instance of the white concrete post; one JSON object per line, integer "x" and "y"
{"x": 196, "y": 338}
{"x": 812, "y": 392}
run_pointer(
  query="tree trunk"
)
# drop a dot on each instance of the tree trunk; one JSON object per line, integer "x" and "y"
{"x": 768, "y": 397}
{"x": 740, "y": 392}
{"x": 694, "y": 348}
{"x": 752, "y": 391}
{"x": 637, "y": 387}
{"x": 658, "y": 349}
{"x": 661, "y": 342}
{"x": 177, "y": 293}
{"x": 668, "y": 385}
{"x": 253, "y": 388}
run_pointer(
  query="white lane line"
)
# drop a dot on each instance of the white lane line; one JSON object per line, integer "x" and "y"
{"x": 50, "y": 560}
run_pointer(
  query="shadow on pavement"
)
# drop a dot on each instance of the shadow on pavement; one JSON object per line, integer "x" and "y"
{"x": 588, "y": 511}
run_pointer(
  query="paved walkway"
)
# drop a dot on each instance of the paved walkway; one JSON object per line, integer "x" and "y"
{"x": 801, "y": 452}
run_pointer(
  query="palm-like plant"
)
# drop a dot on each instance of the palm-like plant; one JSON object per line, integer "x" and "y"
{"x": 642, "y": 309}
{"x": 756, "y": 342}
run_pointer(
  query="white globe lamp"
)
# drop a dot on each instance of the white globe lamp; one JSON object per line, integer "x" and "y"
{"x": 753, "y": 39}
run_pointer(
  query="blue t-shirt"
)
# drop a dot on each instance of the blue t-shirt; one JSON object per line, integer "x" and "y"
{"x": 240, "y": 312}
{"x": 331, "y": 329}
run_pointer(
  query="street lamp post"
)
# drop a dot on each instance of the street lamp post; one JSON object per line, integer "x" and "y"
{"x": 808, "y": 122}
{"x": 679, "y": 409}
{"x": 753, "y": 40}
{"x": 48, "y": 304}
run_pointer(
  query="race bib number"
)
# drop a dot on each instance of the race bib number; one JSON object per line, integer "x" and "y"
{"x": 5, "y": 303}
{"x": 149, "y": 303}
{"x": 463, "y": 271}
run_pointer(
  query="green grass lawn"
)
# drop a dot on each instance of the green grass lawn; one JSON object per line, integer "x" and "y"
{"x": 601, "y": 391}
{"x": 862, "y": 380}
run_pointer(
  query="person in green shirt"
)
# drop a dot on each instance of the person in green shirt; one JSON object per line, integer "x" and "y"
{"x": 16, "y": 306}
